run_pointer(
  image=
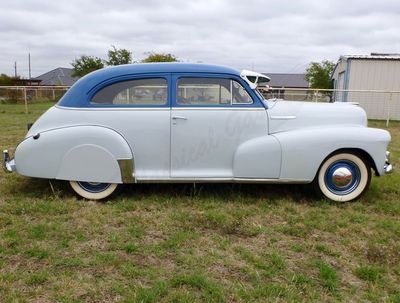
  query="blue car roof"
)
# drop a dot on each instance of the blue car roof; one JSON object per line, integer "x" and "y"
{"x": 77, "y": 95}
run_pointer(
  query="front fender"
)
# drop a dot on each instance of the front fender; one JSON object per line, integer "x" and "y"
{"x": 304, "y": 150}
{"x": 82, "y": 153}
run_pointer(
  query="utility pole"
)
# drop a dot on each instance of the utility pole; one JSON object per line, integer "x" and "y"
{"x": 15, "y": 69}
{"x": 29, "y": 61}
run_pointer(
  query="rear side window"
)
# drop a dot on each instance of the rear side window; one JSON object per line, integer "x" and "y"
{"x": 211, "y": 91}
{"x": 134, "y": 92}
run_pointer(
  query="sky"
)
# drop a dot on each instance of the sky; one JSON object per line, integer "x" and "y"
{"x": 266, "y": 36}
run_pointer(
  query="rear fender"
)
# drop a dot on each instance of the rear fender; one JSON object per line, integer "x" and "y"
{"x": 81, "y": 153}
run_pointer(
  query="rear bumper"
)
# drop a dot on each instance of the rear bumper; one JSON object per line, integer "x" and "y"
{"x": 388, "y": 167}
{"x": 8, "y": 164}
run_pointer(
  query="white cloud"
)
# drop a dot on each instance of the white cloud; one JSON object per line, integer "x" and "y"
{"x": 269, "y": 36}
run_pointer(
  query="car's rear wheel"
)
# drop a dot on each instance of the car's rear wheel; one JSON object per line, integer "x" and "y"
{"x": 343, "y": 177}
{"x": 93, "y": 190}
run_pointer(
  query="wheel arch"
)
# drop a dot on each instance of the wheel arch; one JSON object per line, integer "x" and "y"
{"x": 364, "y": 155}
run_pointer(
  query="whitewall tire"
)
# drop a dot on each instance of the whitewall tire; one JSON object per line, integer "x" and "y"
{"x": 343, "y": 177}
{"x": 93, "y": 190}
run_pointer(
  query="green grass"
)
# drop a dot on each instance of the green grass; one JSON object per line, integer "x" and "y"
{"x": 212, "y": 243}
{"x": 369, "y": 273}
{"x": 328, "y": 276}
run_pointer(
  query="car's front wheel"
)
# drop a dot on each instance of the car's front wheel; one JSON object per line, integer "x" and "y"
{"x": 93, "y": 190}
{"x": 343, "y": 177}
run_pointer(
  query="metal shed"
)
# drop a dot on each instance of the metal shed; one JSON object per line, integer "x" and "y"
{"x": 371, "y": 80}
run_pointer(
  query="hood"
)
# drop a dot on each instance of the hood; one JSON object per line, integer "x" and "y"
{"x": 289, "y": 115}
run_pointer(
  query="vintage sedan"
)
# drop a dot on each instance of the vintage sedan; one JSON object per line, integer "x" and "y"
{"x": 178, "y": 122}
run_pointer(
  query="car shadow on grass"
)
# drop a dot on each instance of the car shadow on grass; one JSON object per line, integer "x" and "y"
{"x": 243, "y": 193}
{"x": 181, "y": 192}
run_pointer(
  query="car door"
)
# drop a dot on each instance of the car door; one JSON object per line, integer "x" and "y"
{"x": 212, "y": 116}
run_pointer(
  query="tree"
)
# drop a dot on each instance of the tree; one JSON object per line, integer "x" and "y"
{"x": 86, "y": 64}
{"x": 159, "y": 57}
{"x": 119, "y": 56}
{"x": 6, "y": 80}
{"x": 10, "y": 95}
{"x": 318, "y": 74}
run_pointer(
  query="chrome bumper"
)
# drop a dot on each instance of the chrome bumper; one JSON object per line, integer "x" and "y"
{"x": 8, "y": 163}
{"x": 388, "y": 167}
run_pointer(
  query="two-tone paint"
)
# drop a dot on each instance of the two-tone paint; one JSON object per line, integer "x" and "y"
{"x": 265, "y": 141}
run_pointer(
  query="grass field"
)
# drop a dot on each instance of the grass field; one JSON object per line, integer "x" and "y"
{"x": 209, "y": 243}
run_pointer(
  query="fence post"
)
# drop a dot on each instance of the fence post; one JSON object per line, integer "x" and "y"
{"x": 316, "y": 95}
{"x": 54, "y": 95}
{"x": 25, "y": 100}
{"x": 388, "y": 109}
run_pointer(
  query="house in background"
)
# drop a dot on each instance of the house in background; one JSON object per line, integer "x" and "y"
{"x": 287, "y": 86}
{"x": 26, "y": 82}
{"x": 60, "y": 76}
{"x": 374, "y": 72}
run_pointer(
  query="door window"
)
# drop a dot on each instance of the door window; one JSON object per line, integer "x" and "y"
{"x": 211, "y": 91}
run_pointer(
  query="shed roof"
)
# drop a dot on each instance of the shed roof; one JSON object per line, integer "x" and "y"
{"x": 287, "y": 80}
{"x": 372, "y": 56}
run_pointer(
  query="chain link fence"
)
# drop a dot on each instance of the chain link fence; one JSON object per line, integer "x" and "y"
{"x": 31, "y": 94}
{"x": 379, "y": 105}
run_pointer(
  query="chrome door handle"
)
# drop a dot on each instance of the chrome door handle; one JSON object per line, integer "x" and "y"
{"x": 178, "y": 118}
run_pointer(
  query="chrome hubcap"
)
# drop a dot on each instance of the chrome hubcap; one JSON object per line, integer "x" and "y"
{"x": 342, "y": 177}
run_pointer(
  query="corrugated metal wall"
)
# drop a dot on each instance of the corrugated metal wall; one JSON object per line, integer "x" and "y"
{"x": 375, "y": 75}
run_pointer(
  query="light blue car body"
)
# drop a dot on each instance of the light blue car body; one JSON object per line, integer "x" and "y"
{"x": 265, "y": 141}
